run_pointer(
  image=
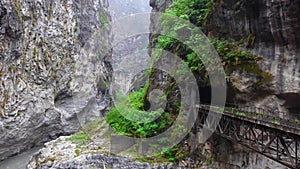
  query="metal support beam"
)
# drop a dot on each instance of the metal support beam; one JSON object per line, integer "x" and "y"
{"x": 271, "y": 142}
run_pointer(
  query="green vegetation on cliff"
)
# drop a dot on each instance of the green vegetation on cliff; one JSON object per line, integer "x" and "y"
{"x": 232, "y": 57}
{"x": 133, "y": 108}
{"x": 197, "y": 12}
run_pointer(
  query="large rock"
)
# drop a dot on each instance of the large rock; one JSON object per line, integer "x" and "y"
{"x": 50, "y": 70}
{"x": 270, "y": 29}
{"x": 61, "y": 154}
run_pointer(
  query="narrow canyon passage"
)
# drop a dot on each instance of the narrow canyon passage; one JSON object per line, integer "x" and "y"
{"x": 223, "y": 85}
{"x": 117, "y": 10}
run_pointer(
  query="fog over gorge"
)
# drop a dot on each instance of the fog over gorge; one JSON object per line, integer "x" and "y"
{"x": 210, "y": 84}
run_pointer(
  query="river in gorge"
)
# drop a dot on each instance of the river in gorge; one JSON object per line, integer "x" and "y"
{"x": 118, "y": 9}
{"x": 18, "y": 161}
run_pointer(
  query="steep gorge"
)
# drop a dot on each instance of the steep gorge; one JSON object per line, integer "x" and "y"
{"x": 52, "y": 73}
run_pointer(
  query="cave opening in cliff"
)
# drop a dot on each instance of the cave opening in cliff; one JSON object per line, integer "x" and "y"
{"x": 291, "y": 103}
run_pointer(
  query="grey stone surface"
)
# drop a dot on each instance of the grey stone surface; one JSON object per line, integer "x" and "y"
{"x": 274, "y": 26}
{"x": 48, "y": 73}
{"x": 61, "y": 154}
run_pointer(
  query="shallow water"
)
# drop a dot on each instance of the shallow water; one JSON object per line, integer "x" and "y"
{"x": 20, "y": 161}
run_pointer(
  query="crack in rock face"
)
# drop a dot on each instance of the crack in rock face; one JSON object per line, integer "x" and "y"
{"x": 43, "y": 48}
{"x": 274, "y": 27}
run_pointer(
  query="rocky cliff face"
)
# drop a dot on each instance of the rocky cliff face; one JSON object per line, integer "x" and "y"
{"x": 50, "y": 70}
{"x": 269, "y": 29}
{"x": 229, "y": 155}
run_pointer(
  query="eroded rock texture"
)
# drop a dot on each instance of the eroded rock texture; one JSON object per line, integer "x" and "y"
{"x": 61, "y": 154}
{"x": 270, "y": 29}
{"x": 50, "y": 69}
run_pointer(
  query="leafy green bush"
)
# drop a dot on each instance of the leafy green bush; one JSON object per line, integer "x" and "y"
{"x": 196, "y": 12}
{"x": 132, "y": 107}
